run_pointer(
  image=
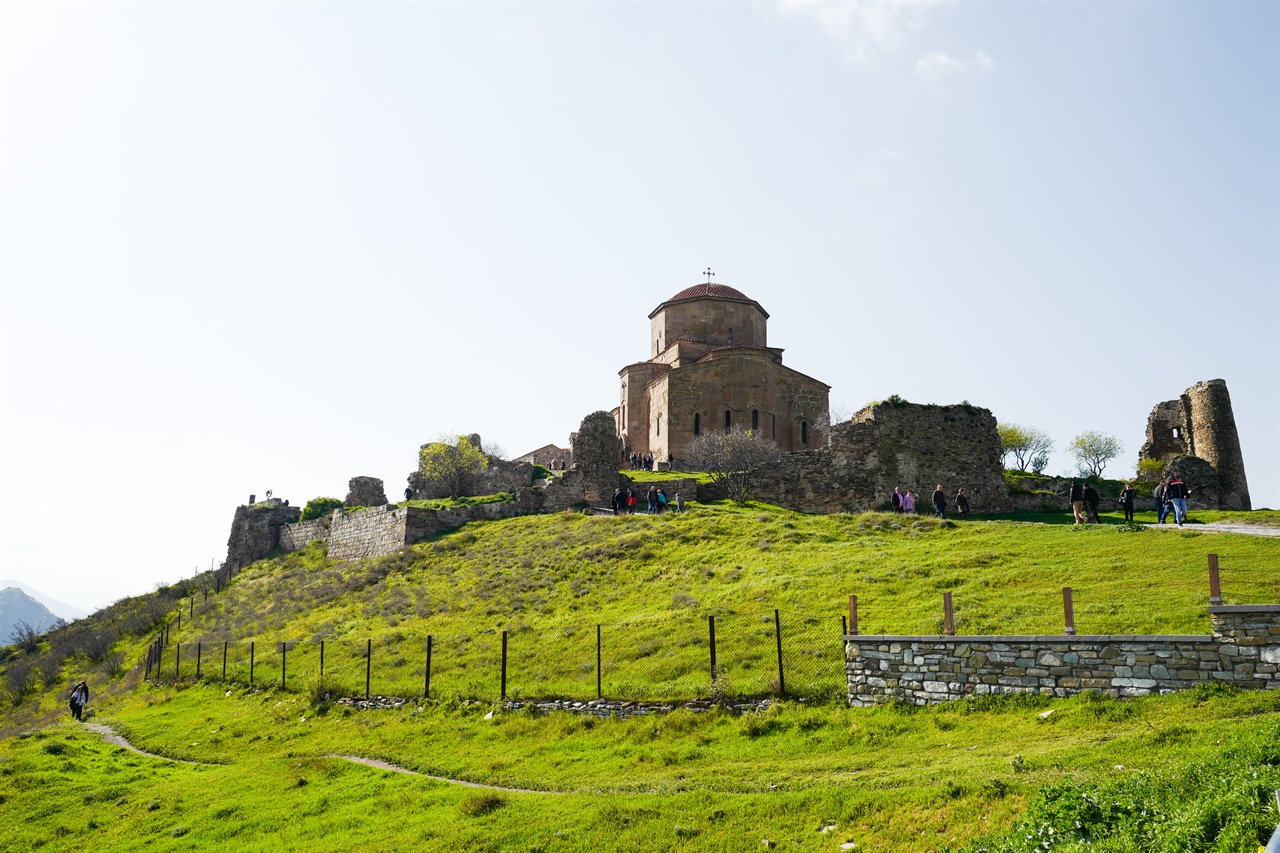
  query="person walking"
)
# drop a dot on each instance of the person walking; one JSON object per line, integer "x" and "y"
{"x": 939, "y": 503}
{"x": 79, "y": 699}
{"x": 662, "y": 501}
{"x": 408, "y": 494}
{"x": 679, "y": 503}
{"x": 909, "y": 502}
{"x": 1077, "y": 502}
{"x": 631, "y": 501}
{"x": 1161, "y": 507}
{"x": 619, "y": 501}
{"x": 1090, "y": 503}
{"x": 1177, "y": 494}
{"x": 897, "y": 499}
{"x": 962, "y": 504}
{"x": 1126, "y": 502}
{"x": 653, "y": 499}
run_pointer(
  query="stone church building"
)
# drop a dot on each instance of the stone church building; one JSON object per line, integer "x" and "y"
{"x": 711, "y": 368}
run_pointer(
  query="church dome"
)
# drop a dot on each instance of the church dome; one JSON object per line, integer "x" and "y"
{"x": 712, "y": 289}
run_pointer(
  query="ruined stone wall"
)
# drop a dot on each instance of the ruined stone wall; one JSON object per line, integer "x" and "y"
{"x": 883, "y": 446}
{"x": 1202, "y": 424}
{"x": 1244, "y": 650}
{"x": 255, "y": 531}
{"x": 295, "y": 537}
{"x": 596, "y": 457}
{"x": 498, "y": 476}
{"x": 365, "y": 491}
{"x": 1214, "y": 439}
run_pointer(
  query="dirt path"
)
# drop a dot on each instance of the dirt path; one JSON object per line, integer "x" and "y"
{"x": 383, "y": 765}
{"x": 112, "y": 737}
{"x": 1220, "y": 527}
{"x": 109, "y": 735}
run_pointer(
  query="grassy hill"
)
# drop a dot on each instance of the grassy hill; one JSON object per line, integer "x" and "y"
{"x": 1185, "y": 772}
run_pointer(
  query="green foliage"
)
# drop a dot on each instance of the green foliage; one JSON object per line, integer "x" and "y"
{"x": 896, "y": 401}
{"x": 1150, "y": 469}
{"x": 1093, "y": 450}
{"x": 319, "y": 508}
{"x": 1029, "y": 446}
{"x": 449, "y": 461}
{"x": 541, "y": 472}
{"x": 465, "y": 500}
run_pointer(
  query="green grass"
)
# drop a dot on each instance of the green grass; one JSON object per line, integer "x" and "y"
{"x": 890, "y": 779}
{"x": 448, "y": 503}
{"x": 665, "y": 476}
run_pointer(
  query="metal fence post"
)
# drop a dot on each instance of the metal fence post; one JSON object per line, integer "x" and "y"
{"x": 177, "y": 663}
{"x": 251, "y": 663}
{"x": 504, "y": 666}
{"x": 322, "y": 662}
{"x": 151, "y": 652}
{"x": 193, "y": 607}
{"x": 599, "y": 688}
{"x": 948, "y": 620}
{"x": 284, "y": 659}
{"x": 1215, "y": 582}
{"x": 1068, "y": 611}
{"x": 224, "y": 660}
{"x": 777, "y": 632}
{"x": 426, "y": 687}
{"x": 368, "y": 666}
{"x": 711, "y": 635}
{"x": 199, "y": 650}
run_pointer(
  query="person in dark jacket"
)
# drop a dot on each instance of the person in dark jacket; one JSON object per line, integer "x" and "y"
{"x": 653, "y": 499}
{"x": 1177, "y": 494}
{"x": 1162, "y": 508}
{"x": 1077, "y": 502}
{"x": 962, "y": 504}
{"x": 897, "y": 499}
{"x": 1090, "y": 504}
{"x": 79, "y": 699}
{"x": 939, "y": 503}
{"x": 619, "y": 502}
{"x": 1126, "y": 502}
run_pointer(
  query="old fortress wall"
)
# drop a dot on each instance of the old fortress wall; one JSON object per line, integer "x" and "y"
{"x": 1196, "y": 435}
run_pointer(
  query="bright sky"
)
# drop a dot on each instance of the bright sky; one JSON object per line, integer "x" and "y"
{"x": 252, "y": 246}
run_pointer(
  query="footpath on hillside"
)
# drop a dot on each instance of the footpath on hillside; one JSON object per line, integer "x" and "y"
{"x": 1220, "y": 527}
{"x": 112, "y": 737}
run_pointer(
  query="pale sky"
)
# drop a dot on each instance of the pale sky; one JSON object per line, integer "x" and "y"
{"x": 252, "y": 246}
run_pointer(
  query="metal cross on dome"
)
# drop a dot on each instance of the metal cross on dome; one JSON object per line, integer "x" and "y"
{"x": 709, "y": 274}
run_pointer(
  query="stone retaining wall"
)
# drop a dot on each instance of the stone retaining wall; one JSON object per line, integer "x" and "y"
{"x": 1243, "y": 650}
{"x": 295, "y": 537}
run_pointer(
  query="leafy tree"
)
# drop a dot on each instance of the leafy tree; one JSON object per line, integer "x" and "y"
{"x": 318, "y": 508}
{"x": 735, "y": 460}
{"x": 1039, "y": 462}
{"x": 1026, "y": 444}
{"x": 1093, "y": 450}
{"x": 450, "y": 461}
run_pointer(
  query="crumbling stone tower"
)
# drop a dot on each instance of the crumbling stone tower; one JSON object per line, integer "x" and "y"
{"x": 1200, "y": 423}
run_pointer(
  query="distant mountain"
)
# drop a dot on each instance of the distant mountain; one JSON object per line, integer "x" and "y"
{"x": 16, "y": 606}
{"x": 61, "y": 609}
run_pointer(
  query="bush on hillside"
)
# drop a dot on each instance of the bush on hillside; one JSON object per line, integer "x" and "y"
{"x": 318, "y": 508}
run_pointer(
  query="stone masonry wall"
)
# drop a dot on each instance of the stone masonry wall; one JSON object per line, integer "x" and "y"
{"x": 255, "y": 531}
{"x": 1244, "y": 650}
{"x": 884, "y": 446}
{"x": 1206, "y": 428}
{"x": 295, "y": 537}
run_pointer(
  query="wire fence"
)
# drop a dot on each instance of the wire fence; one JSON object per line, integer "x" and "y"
{"x": 672, "y": 659}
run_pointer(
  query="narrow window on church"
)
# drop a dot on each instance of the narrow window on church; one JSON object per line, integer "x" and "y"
{"x": 1175, "y": 432}
{"x": 804, "y": 432}
{"x": 657, "y": 425}
{"x": 755, "y": 420}
{"x": 697, "y": 424}
{"x": 730, "y": 336}
{"x": 728, "y": 420}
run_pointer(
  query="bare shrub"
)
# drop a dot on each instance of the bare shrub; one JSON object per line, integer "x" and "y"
{"x": 25, "y": 636}
{"x": 49, "y": 665}
{"x": 18, "y": 681}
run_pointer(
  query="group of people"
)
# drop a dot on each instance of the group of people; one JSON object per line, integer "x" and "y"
{"x": 625, "y": 502}
{"x": 1084, "y": 502}
{"x": 1171, "y": 497}
{"x": 642, "y": 461}
{"x": 79, "y": 699}
{"x": 906, "y": 502}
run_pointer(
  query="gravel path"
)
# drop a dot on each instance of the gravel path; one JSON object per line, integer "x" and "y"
{"x": 383, "y": 765}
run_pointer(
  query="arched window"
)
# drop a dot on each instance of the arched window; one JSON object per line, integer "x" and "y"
{"x": 755, "y": 420}
{"x": 728, "y": 420}
{"x": 804, "y": 432}
{"x": 657, "y": 425}
{"x": 730, "y": 336}
{"x": 697, "y": 424}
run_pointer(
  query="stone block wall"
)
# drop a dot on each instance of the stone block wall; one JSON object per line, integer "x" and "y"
{"x": 1201, "y": 423}
{"x": 1243, "y": 650}
{"x": 255, "y": 531}
{"x": 295, "y": 537}
{"x": 884, "y": 446}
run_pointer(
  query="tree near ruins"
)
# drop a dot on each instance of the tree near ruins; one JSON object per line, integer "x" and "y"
{"x": 735, "y": 460}
{"x": 1028, "y": 445}
{"x": 1093, "y": 450}
{"x": 449, "y": 460}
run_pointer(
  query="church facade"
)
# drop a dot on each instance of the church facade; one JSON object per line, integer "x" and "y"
{"x": 711, "y": 369}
